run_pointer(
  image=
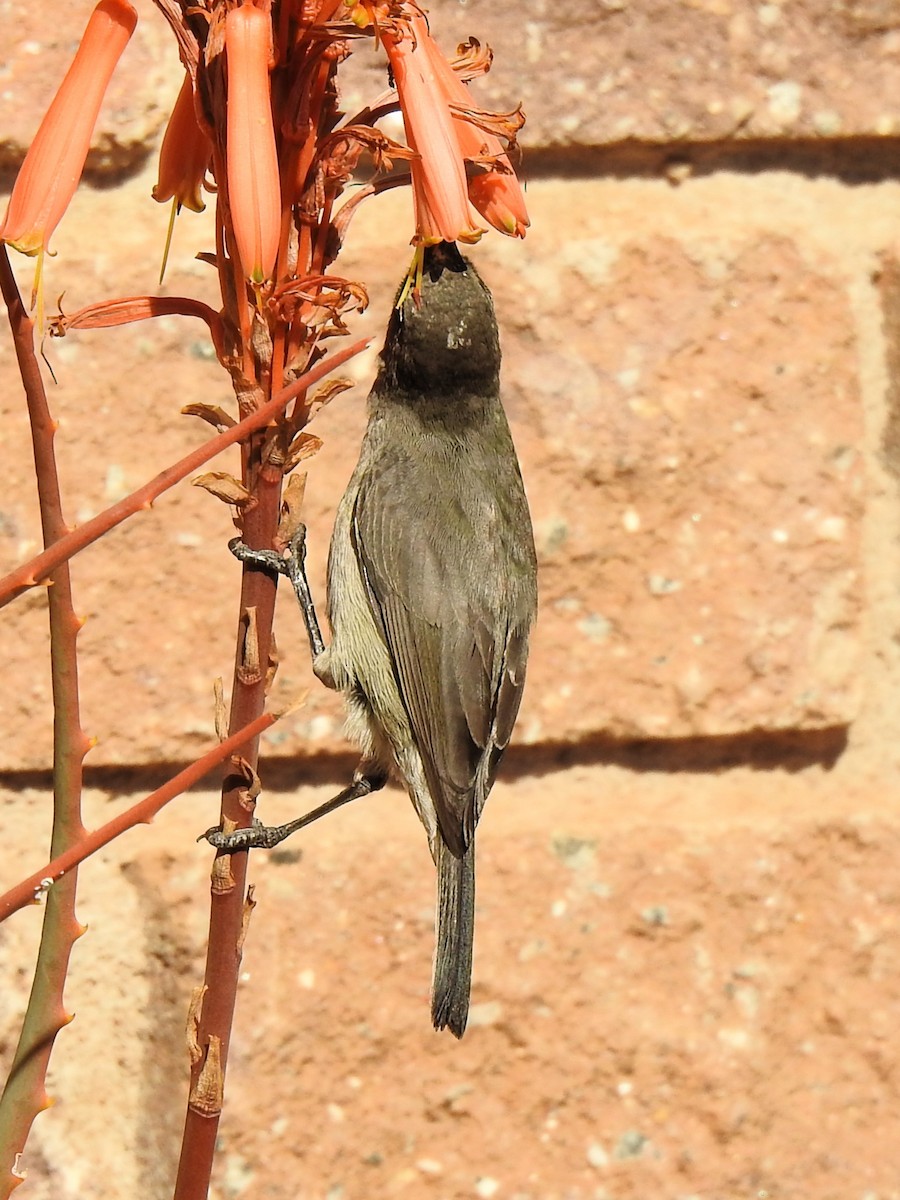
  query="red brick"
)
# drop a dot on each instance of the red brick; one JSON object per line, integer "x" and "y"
{"x": 693, "y": 458}
{"x": 689, "y": 422}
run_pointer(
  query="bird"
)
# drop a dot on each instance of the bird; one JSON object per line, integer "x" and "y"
{"x": 432, "y": 589}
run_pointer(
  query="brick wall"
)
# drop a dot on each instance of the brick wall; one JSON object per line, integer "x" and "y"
{"x": 699, "y": 334}
{"x": 686, "y": 981}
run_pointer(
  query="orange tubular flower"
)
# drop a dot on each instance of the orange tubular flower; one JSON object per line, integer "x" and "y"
{"x": 184, "y": 155}
{"x": 494, "y": 190}
{"x": 460, "y": 159}
{"x": 54, "y": 162}
{"x": 438, "y": 175}
{"x": 254, "y": 190}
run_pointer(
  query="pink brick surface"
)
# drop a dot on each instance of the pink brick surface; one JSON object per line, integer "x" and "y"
{"x": 687, "y": 402}
{"x": 589, "y": 75}
{"x": 698, "y": 487}
{"x": 689, "y": 422}
{"x": 609, "y": 71}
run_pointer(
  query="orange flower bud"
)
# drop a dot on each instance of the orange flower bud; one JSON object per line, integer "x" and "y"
{"x": 184, "y": 155}
{"x": 498, "y": 197}
{"x": 54, "y": 162}
{"x": 254, "y": 189}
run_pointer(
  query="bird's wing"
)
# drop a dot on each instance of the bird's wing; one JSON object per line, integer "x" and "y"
{"x": 458, "y": 662}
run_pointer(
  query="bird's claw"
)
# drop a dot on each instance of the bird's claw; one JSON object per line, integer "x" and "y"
{"x": 272, "y": 560}
{"x": 239, "y": 839}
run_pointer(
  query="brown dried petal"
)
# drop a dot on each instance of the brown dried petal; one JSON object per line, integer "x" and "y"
{"x": 472, "y": 59}
{"x": 224, "y": 487}
{"x": 501, "y": 125}
{"x": 220, "y": 710}
{"x": 246, "y": 914}
{"x": 212, "y": 414}
{"x": 195, "y": 1010}
{"x": 221, "y": 879}
{"x": 304, "y": 445}
{"x": 318, "y": 300}
{"x": 292, "y": 507}
{"x": 338, "y": 151}
{"x": 208, "y": 1092}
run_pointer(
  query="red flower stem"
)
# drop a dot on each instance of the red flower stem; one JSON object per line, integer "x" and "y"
{"x": 227, "y": 903}
{"x": 231, "y": 278}
{"x": 24, "y": 1094}
{"x": 38, "y": 569}
{"x": 142, "y": 813}
{"x": 227, "y": 913}
{"x": 318, "y": 263}
{"x": 263, "y": 477}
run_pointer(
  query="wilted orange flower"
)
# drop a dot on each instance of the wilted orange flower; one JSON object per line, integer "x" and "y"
{"x": 54, "y": 162}
{"x": 184, "y": 155}
{"x": 254, "y": 190}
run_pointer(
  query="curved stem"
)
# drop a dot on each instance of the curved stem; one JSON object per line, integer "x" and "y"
{"x": 24, "y": 1094}
{"x": 227, "y": 891}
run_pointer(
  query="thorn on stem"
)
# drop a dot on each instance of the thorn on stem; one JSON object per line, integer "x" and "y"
{"x": 249, "y": 905}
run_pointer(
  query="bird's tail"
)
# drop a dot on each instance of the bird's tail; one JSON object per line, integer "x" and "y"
{"x": 455, "y": 930}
